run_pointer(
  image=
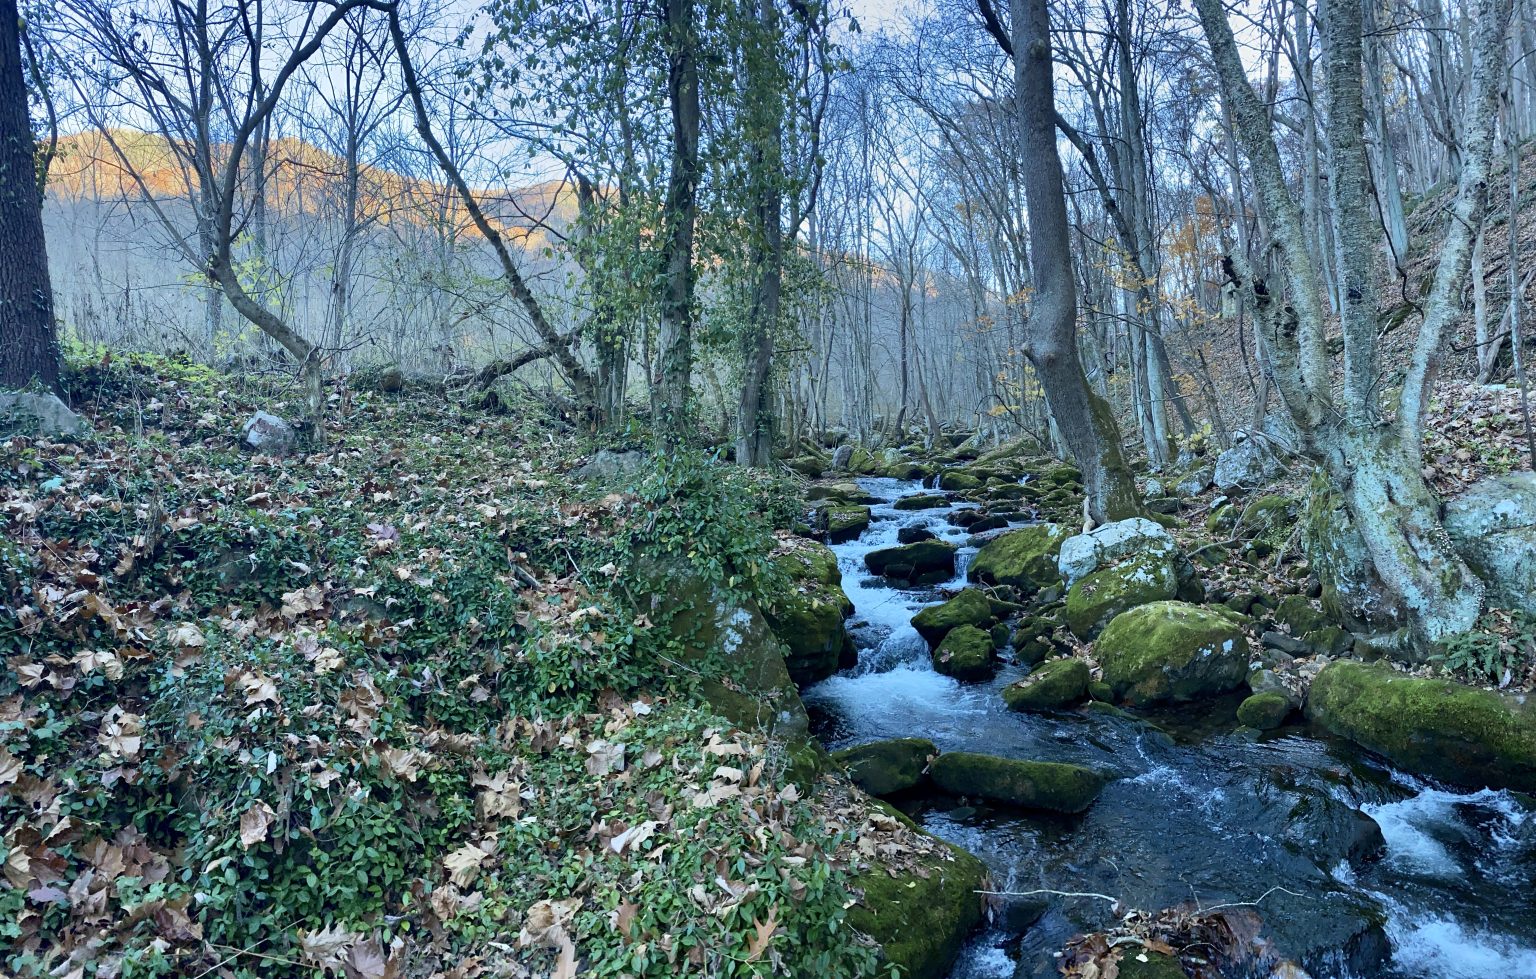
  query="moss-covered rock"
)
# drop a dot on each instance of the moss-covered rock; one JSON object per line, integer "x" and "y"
{"x": 1433, "y": 727}
{"x": 1173, "y": 651}
{"x": 844, "y": 523}
{"x": 925, "y": 560}
{"x": 921, "y": 918}
{"x": 970, "y": 607}
{"x": 809, "y": 466}
{"x": 1095, "y": 600}
{"x": 956, "y": 481}
{"x": 1028, "y": 784}
{"x": 807, "y": 613}
{"x": 887, "y": 767}
{"x": 1024, "y": 558}
{"x": 847, "y": 493}
{"x": 1050, "y": 686}
{"x": 1265, "y": 711}
{"x": 921, "y": 501}
{"x": 966, "y": 653}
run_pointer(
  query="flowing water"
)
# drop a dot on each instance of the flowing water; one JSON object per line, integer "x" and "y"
{"x": 1198, "y": 814}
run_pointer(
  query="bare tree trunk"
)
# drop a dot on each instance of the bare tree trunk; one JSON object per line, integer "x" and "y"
{"x": 29, "y": 347}
{"x": 1086, "y": 423}
{"x": 754, "y": 437}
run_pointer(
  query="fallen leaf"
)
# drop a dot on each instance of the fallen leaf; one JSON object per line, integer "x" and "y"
{"x": 254, "y": 824}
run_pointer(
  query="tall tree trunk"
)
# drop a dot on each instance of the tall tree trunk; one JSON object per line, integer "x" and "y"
{"x": 674, "y": 376}
{"x": 754, "y": 437}
{"x": 29, "y": 348}
{"x": 1085, "y": 422}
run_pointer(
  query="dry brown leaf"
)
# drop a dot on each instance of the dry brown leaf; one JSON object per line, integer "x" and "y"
{"x": 255, "y": 822}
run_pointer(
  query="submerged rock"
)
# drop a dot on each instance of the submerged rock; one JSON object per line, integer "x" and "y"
{"x": 1050, "y": 686}
{"x": 921, "y": 917}
{"x": 1028, "y": 784}
{"x": 887, "y": 767}
{"x": 967, "y": 653}
{"x": 970, "y": 607}
{"x": 1432, "y": 727}
{"x": 1493, "y": 527}
{"x": 1173, "y": 651}
{"x": 1024, "y": 559}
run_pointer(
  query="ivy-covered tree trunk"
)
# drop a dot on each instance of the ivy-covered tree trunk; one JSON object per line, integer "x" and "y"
{"x": 1085, "y": 421}
{"x": 765, "y": 114}
{"x": 29, "y": 347}
{"x": 673, "y": 380}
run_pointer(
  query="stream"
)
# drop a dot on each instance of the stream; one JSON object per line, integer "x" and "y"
{"x": 1199, "y": 813}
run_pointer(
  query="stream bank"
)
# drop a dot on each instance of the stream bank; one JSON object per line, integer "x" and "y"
{"x": 1197, "y": 811}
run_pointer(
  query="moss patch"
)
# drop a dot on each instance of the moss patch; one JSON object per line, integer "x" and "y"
{"x": 1433, "y": 727}
{"x": 807, "y": 613}
{"x": 1095, "y": 600}
{"x": 1029, "y": 784}
{"x": 887, "y": 767}
{"x": 970, "y": 607}
{"x": 1265, "y": 711}
{"x": 966, "y": 653}
{"x": 922, "y": 919}
{"x": 1025, "y": 558}
{"x": 1049, "y": 686}
{"x": 1173, "y": 651}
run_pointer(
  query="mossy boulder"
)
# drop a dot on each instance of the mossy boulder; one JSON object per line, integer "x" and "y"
{"x": 1269, "y": 517}
{"x": 1027, "y": 784}
{"x": 956, "y": 481}
{"x": 1024, "y": 558}
{"x": 967, "y": 653}
{"x": 1095, "y": 600}
{"x": 1265, "y": 711}
{"x": 929, "y": 560}
{"x": 845, "y": 523}
{"x": 728, "y": 640}
{"x": 809, "y": 466}
{"x": 921, "y": 501}
{"x": 1050, "y": 686}
{"x": 970, "y": 607}
{"x": 887, "y": 767}
{"x": 1173, "y": 651}
{"x": 921, "y": 917}
{"x": 807, "y": 613}
{"x": 1432, "y": 727}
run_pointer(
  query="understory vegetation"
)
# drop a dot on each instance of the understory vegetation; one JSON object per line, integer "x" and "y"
{"x": 385, "y": 705}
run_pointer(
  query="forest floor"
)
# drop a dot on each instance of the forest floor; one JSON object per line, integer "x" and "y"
{"x": 393, "y": 706}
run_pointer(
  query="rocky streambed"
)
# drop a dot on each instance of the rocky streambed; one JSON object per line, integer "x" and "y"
{"x": 1344, "y": 866}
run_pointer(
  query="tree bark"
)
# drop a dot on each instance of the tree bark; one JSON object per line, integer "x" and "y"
{"x": 29, "y": 347}
{"x": 672, "y": 385}
{"x": 1086, "y": 423}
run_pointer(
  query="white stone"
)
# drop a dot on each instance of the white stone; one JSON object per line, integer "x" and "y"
{"x": 1086, "y": 553}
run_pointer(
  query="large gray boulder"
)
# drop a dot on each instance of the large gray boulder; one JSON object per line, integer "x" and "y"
{"x": 1084, "y": 554}
{"x": 841, "y": 456}
{"x": 1493, "y": 527}
{"x": 1249, "y": 464}
{"x": 37, "y": 416}
{"x": 268, "y": 434}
